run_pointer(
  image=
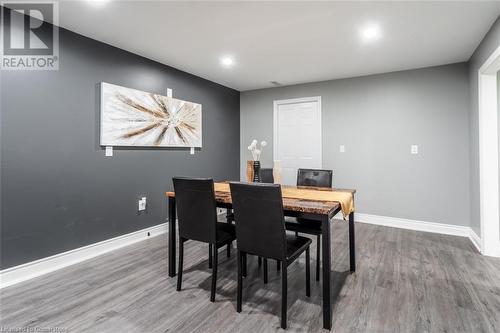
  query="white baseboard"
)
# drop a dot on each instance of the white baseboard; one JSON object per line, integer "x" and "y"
{"x": 16, "y": 274}
{"x": 492, "y": 251}
{"x": 438, "y": 228}
{"x": 476, "y": 240}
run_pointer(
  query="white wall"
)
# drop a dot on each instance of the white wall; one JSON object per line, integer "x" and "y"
{"x": 378, "y": 118}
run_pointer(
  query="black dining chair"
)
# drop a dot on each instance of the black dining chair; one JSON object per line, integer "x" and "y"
{"x": 266, "y": 175}
{"x": 260, "y": 231}
{"x": 197, "y": 216}
{"x": 312, "y": 178}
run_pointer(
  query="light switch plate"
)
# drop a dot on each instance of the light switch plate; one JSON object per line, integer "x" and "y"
{"x": 142, "y": 204}
{"x": 342, "y": 148}
{"x": 109, "y": 151}
{"x": 192, "y": 151}
{"x": 414, "y": 149}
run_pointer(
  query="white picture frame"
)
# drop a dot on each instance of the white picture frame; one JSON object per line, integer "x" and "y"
{"x": 134, "y": 118}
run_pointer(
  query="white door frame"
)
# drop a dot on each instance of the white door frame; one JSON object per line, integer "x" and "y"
{"x": 488, "y": 155}
{"x": 277, "y": 103}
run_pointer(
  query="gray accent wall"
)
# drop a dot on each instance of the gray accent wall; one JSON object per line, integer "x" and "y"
{"x": 58, "y": 190}
{"x": 378, "y": 118}
{"x": 489, "y": 44}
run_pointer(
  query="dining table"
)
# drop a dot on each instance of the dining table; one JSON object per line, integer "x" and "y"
{"x": 300, "y": 202}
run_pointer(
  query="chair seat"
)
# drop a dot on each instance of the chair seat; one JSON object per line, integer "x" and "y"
{"x": 295, "y": 245}
{"x": 226, "y": 233}
{"x": 305, "y": 226}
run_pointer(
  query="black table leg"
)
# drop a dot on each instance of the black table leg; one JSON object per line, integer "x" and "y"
{"x": 352, "y": 247}
{"x": 171, "y": 236}
{"x": 244, "y": 262}
{"x": 229, "y": 221}
{"x": 326, "y": 263}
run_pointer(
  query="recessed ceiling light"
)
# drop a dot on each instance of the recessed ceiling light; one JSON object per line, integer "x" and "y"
{"x": 227, "y": 61}
{"x": 371, "y": 33}
{"x": 98, "y": 2}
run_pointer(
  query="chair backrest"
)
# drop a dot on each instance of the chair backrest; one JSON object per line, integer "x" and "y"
{"x": 266, "y": 175}
{"x": 258, "y": 212}
{"x": 314, "y": 177}
{"x": 196, "y": 208}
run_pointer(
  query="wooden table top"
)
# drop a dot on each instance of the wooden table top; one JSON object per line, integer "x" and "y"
{"x": 292, "y": 204}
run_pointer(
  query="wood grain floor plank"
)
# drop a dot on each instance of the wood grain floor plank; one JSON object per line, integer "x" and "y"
{"x": 406, "y": 281}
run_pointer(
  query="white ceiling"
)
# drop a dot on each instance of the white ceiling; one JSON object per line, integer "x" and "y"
{"x": 288, "y": 42}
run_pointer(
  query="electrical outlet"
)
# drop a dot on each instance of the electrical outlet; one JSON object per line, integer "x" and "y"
{"x": 414, "y": 149}
{"x": 142, "y": 204}
{"x": 342, "y": 148}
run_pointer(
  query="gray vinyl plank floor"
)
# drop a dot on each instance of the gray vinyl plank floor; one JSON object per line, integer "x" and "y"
{"x": 406, "y": 281}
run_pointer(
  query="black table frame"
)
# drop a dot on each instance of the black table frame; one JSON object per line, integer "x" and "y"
{"x": 326, "y": 248}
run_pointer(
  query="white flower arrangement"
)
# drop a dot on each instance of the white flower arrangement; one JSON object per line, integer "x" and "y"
{"x": 254, "y": 149}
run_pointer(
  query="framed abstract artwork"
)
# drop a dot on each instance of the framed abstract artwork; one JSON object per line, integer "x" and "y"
{"x": 134, "y": 118}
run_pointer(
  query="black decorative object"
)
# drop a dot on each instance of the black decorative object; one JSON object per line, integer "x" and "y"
{"x": 256, "y": 171}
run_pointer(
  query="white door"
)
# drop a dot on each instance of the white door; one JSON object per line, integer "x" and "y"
{"x": 297, "y": 136}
